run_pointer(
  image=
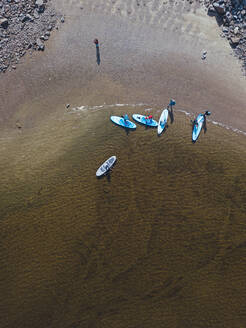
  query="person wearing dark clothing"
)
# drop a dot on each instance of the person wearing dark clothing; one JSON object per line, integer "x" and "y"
{"x": 97, "y": 51}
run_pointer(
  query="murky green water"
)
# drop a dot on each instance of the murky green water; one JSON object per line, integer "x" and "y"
{"x": 161, "y": 242}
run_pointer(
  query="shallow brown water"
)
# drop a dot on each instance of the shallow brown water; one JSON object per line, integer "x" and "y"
{"x": 161, "y": 242}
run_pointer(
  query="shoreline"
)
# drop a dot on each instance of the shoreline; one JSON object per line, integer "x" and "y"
{"x": 139, "y": 63}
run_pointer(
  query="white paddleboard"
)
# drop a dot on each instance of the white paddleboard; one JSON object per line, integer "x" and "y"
{"x": 162, "y": 121}
{"x": 197, "y": 128}
{"x": 106, "y": 166}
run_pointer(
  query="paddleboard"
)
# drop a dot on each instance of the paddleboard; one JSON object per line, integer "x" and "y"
{"x": 125, "y": 123}
{"x": 197, "y": 127}
{"x": 141, "y": 119}
{"x": 162, "y": 121}
{"x": 106, "y": 166}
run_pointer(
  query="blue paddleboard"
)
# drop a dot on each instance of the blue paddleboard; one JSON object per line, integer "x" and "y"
{"x": 125, "y": 123}
{"x": 197, "y": 127}
{"x": 141, "y": 119}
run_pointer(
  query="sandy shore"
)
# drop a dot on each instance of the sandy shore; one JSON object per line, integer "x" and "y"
{"x": 149, "y": 53}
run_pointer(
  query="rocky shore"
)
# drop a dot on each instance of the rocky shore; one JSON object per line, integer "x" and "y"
{"x": 24, "y": 26}
{"x": 231, "y": 15}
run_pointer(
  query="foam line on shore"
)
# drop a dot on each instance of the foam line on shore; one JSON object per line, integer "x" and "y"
{"x": 227, "y": 127}
{"x": 99, "y": 107}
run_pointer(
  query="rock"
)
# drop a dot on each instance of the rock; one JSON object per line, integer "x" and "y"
{"x": 27, "y": 18}
{"x": 40, "y": 44}
{"x": 204, "y": 55}
{"x": 235, "y": 40}
{"x": 220, "y": 8}
{"x": 211, "y": 10}
{"x": 18, "y": 125}
{"x": 4, "y": 22}
{"x": 36, "y": 14}
{"x": 228, "y": 16}
{"x": 40, "y": 5}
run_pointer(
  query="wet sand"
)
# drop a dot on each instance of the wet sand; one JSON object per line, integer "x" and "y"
{"x": 162, "y": 240}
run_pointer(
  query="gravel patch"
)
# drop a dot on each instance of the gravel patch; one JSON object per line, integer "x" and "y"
{"x": 25, "y": 25}
{"x": 231, "y": 16}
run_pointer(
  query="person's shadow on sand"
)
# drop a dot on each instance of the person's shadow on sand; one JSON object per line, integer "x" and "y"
{"x": 97, "y": 51}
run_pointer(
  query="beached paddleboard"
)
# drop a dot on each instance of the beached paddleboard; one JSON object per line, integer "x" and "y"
{"x": 197, "y": 127}
{"x": 106, "y": 166}
{"x": 125, "y": 123}
{"x": 141, "y": 119}
{"x": 162, "y": 121}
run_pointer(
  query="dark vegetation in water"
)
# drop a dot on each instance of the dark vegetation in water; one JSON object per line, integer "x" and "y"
{"x": 161, "y": 243}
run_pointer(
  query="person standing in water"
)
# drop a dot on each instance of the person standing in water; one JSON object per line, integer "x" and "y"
{"x": 170, "y": 109}
{"x": 207, "y": 113}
